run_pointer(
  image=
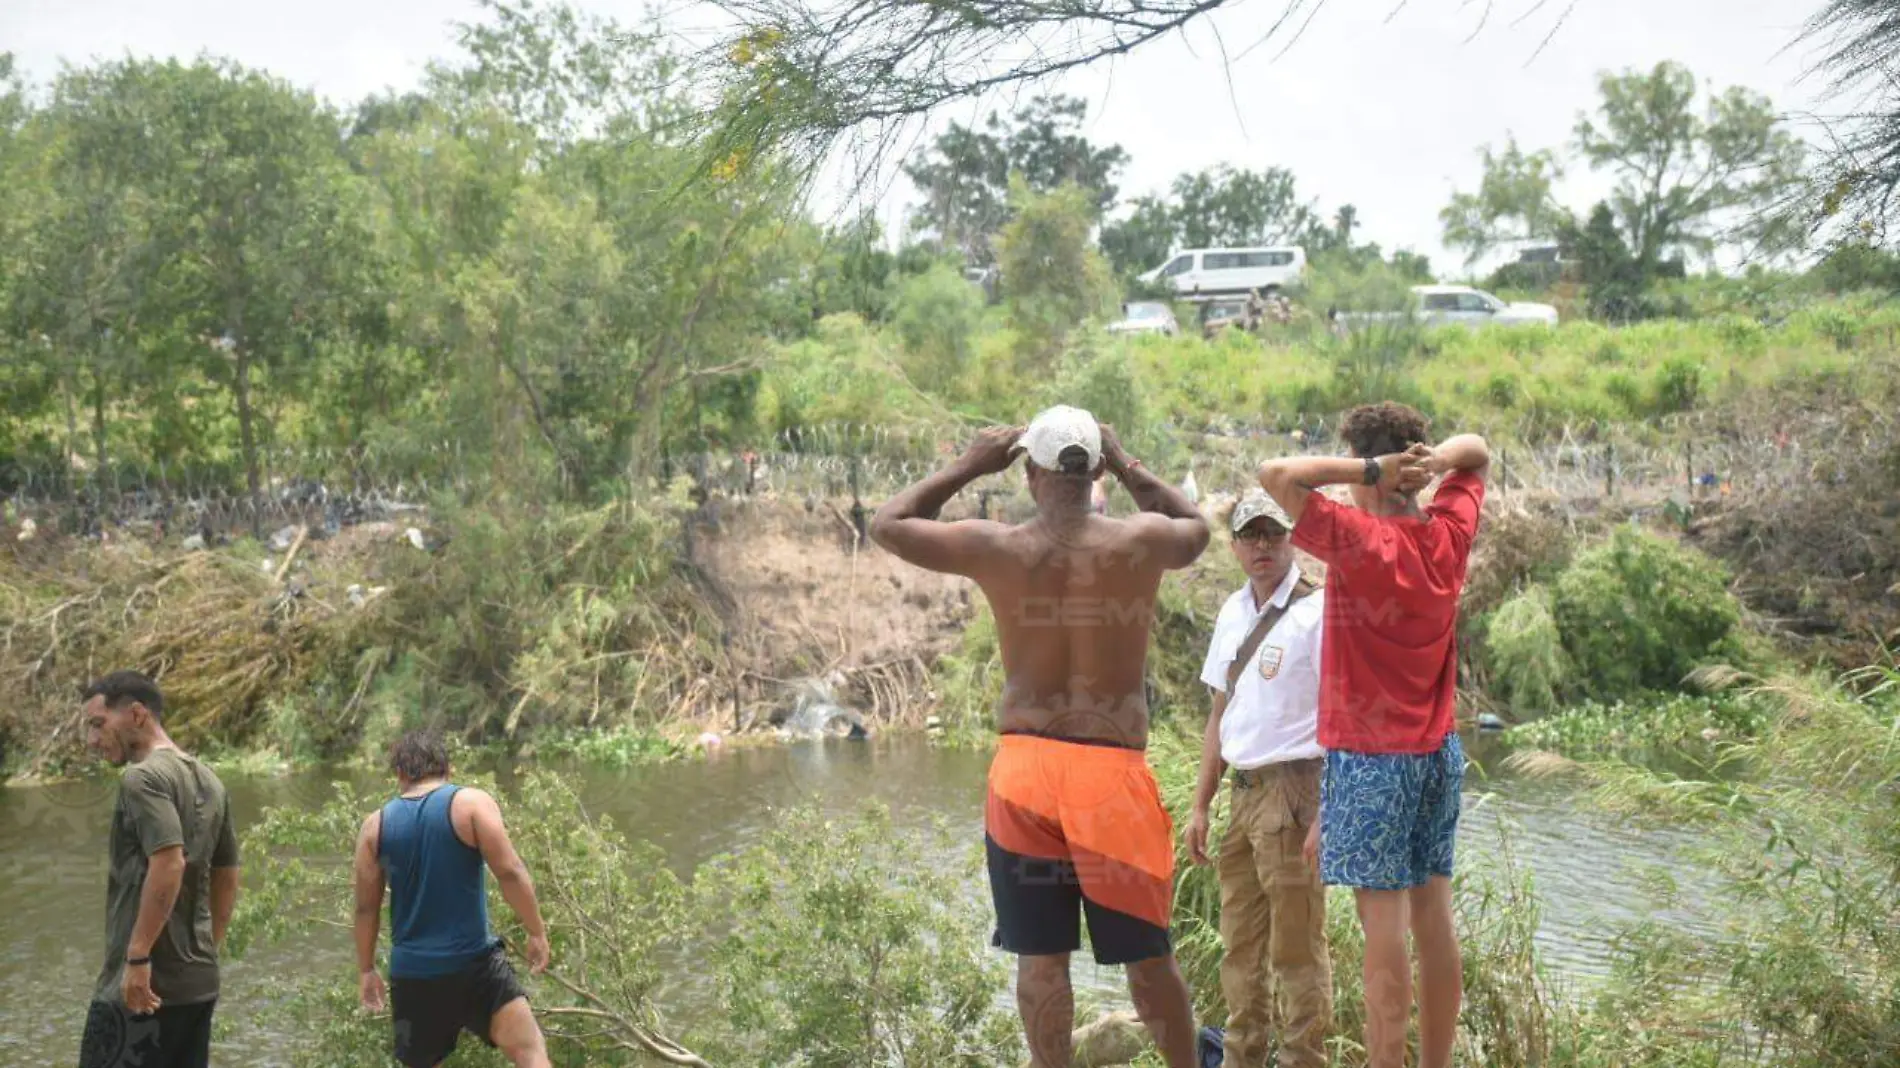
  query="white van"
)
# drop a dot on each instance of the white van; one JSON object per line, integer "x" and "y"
{"x": 1212, "y": 272}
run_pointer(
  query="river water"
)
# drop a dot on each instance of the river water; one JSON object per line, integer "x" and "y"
{"x": 1589, "y": 871}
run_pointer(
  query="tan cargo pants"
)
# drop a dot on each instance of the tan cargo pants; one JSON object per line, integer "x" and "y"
{"x": 1273, "y": 915}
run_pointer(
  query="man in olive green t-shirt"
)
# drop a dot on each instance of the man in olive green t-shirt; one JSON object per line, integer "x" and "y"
{"x": 169, "y": 893}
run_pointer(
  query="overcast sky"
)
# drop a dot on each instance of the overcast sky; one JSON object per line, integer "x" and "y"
{"x": 1380, "y": 103}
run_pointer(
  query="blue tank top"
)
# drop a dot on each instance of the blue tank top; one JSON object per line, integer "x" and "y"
{"x": 438, "y": 907}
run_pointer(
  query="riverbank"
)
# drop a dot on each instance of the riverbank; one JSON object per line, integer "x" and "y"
{"x": 683, "y": 817}
{"x": 635, "y": 628}
{"x": 698, "y": 613}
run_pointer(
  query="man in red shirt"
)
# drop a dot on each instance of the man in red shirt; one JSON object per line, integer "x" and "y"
{"x": 1388, "y": 677}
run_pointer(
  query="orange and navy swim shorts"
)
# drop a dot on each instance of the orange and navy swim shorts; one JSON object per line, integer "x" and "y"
{"x": 1074, "y": 823}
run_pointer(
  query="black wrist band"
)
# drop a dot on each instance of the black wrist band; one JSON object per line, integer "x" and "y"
{"x": 133, "y": 962}
{"x": 1373, "y": 473}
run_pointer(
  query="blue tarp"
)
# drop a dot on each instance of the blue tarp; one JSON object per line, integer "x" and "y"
{"x": 1212, "y": 1047}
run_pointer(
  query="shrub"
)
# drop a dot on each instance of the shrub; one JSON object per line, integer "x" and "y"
{"x": 937, "y": 316}
{"x": 1101, "y": 376}
{"x": 1372, "y": 364}
{"x": 1741, "y": 336}
{"x": 1832, "y": 322}
{"x": 847, "y": 373}
{"x": 1676, "y": 725}
{"x": 846, "y": 945}
{"x": 1620, "y": 387}
{"x": 1639, "y": 613}
{"x": 1678, "y": 383}
{"x": 830, "y": 942}
{"x": 1524, "y": 655}
{"x": 969, "y": 681}
{"x": 1501, "y": 390}
{"x": 1053, "y": 277}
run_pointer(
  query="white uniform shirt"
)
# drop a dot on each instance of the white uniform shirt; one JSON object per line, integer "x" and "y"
{"x": 1273, "y": 714}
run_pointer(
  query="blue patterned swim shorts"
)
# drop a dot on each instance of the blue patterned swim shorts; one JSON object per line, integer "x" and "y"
{"x": 1388, "y": 821}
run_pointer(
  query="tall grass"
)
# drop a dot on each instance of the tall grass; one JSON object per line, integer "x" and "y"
{"x": 1510, "y": 1017}
{"x": 1802, "y": 821}
{"x": 1522, "y": 382}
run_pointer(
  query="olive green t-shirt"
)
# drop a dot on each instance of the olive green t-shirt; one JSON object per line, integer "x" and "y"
{"x": 168, "y": 799}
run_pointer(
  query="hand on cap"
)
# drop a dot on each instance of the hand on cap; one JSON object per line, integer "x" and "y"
{"x": 993, "y": 449}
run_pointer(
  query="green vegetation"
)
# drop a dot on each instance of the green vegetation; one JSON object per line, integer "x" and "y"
{"x": 1653, "y": 727}
{"x": 1524, "y": 653}
{"x": 891, "y": 964}
{"x": 550, "y": 272}
{"x": 892, "y": 960}
{"x": 1520, "y": 384}
{"x": 1803, "y": 841}
{"x": 563, "y": 620}
{"x": 1639, "y": 613}
{"x": 1805, "y": 844}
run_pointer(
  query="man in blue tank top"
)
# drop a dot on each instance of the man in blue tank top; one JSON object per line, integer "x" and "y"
{"x": 447, "y": 971}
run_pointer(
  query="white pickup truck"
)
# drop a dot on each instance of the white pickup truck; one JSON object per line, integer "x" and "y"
{"x": 1442, "y": 305}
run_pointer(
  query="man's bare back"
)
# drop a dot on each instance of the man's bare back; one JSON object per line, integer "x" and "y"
{"x": 1074, "y": 607}
{"x": 1073, "y": 592}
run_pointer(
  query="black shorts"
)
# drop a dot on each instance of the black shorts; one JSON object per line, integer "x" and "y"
{"x": 431, "y": 1014}
{"x": 176, "y": 1036}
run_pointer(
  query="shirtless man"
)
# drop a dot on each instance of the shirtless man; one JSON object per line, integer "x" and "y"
{"x": 1074, "y": 820}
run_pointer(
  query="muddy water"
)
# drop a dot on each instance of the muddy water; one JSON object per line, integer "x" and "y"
{"x": 1588, "y": 872}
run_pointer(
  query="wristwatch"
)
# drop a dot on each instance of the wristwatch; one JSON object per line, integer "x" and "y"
{"x": 1373, "y": 472}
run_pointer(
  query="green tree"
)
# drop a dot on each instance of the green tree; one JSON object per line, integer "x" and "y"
{"x": 1222, "y": 206}
{"x": 26, "y": 367}
{"x": 965, "y": 178}
{"x": 1612, "y": 276}
{"x": 1053, "y": 276}
{"x": 937, "y": 314}
{"x": 1861, "y": 175}
{"x": 1514, "y": 202}
{"x": 1858, "y": 265}
{"x": 1217, "y": 207}
{"x": 1143, "y": 240}
{"x": 852, "y": 270}
{"x": 262, "y": 224}
{"x": 85, "y": 300}
{"x": 1686, "y": 183}
{"x": 581, "y": 280}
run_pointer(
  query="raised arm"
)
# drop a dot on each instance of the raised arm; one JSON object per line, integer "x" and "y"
{"x": 906, "y": 526}
{"x": 511, "y": 875}
{"x": 1182, "y": 533}
{"x": 1289, "y": 479}
{"x": 367, "y": 876}
{"x": 1460, "y": 452}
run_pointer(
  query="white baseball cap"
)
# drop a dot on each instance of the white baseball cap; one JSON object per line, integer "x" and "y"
{"x": 1059, "y": 428}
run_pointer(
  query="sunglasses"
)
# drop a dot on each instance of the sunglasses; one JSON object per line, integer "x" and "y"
{"x": 1259, "y": 536}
